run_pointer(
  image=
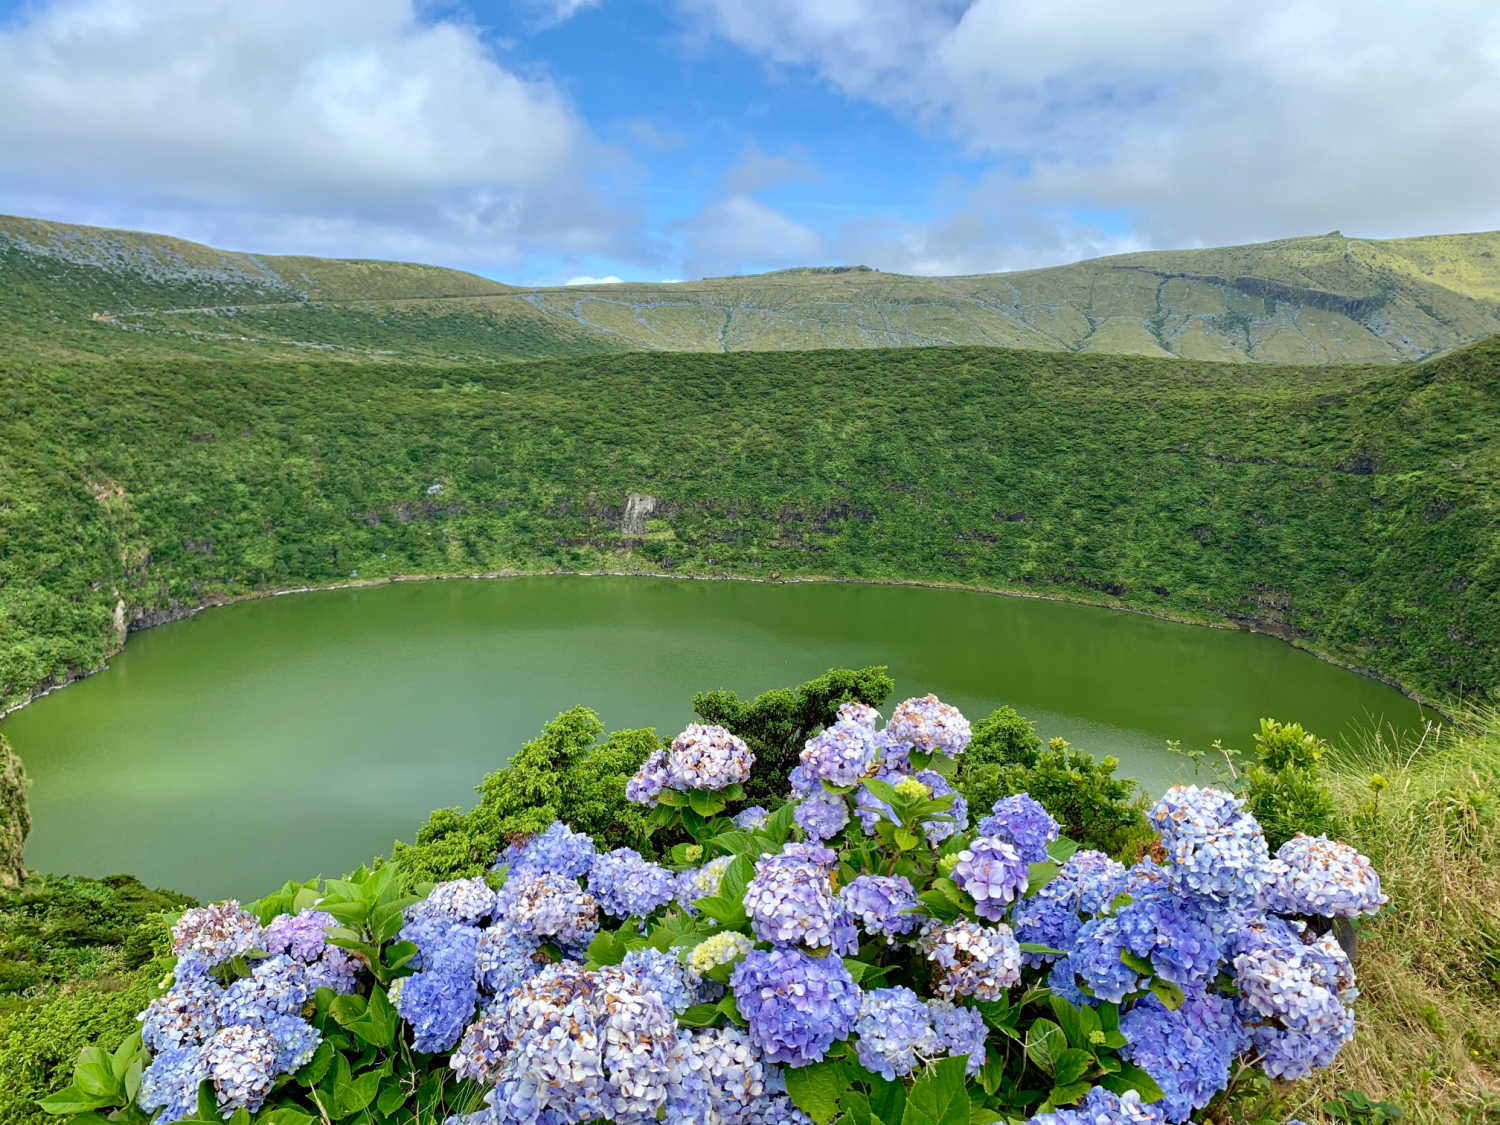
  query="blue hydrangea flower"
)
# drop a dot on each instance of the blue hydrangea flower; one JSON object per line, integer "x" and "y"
{"x": 1101, "y": 1107}
{"x": 1092, "y": 879}
{"x": 700, "y": 882}
{"x": 212, "y": 935}
{"x": 1063, "y": 981}
{"x": 549, "y": 907}
{"x": 861, "y": 713}
{"x": 974, "y": 960}
{"x": 796, "y": 1005}
{"x": 791, "y": 901}
{"x": 1301, "y": 986}
{"x": 469, "y": 901}
{"x": 241, "y": 1063}
{"x": 822, "y": 814}
{"x": 186, "y": 1014}
{"x": 748, "y": 820}
{"x": 1095, "y": 959}
{"x": 1216, "y": 849}
{"x": 296, "y": 1041}
{"x": 649, "y": 780}
{"x": 625, "y": 884}
{"x": 1023, "y": 822}
{"x": 895, "y": 1032}
{"x": 437, "y": 1006}
{"x": 992, "y": 872}
{"x": 663, "y": 974}
{"x": 961, "y": 1031}
{"x": 171, "y": 1082}
{"x": 1316, "y": 875}
{"x": 1174, "y": 934}
{"x": 840, "y": 754}
{"x": 556, "y": 850}
{"x": 881, "y": 904}
{"x": 303, "y": 935}
{"x": 277, "y": 986}
{"x": 1290, "y": 1055}
{"x": 718, "y": 1077}
{"x": 481, "y": 1052}
{"x": 503, "y": 960}
{"x": 707, "y": 757}
{"x": 1188, "y": 1051}
{"x": 1046, "y": 918}
{"x": 445, "y": 946}
{"x": 931, "y": 724}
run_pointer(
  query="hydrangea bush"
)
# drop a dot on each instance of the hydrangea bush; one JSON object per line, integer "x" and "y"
{"x": 858, "y": 953}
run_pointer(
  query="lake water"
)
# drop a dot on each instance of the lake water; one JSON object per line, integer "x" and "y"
{"x": 294, "y": 736}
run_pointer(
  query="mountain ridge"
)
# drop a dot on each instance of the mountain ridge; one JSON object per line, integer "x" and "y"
{"x": 1310, "y": 299}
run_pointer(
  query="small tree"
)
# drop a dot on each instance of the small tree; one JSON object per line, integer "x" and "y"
{"x": 15, "y": 817}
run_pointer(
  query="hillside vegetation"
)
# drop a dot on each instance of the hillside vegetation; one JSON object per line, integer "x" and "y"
{"x": 71, "y": 290}
{"x": 1351, "y": 509}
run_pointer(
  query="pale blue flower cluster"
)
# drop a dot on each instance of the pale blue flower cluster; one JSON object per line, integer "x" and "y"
{"x": 1215, "y": 848}
{"x": 1022, "y": 821}
{"x": 212, "y": 935}
{"x": 791, "y": 901}
{"x": 700, "y": 882}
{"x": 931, "y": 725}
{"x": 556, "y": 850}
{"x": 548, "y": 907}
{"x": 748, "y": 820}
{"x": 992, "y": 873}
{"x": 1188, "y": 1051}
{"x": 895, "y": 1032}
{"x": 1295, "y": 997}
{"x": 822, "y": 813}
{"x": 625, "y": 884}
{"x": 973, "y": 960}
{"x": 796, "y": 1005}
{"x": 840, "y": 754}
{"x": 701, "y": 757}
{"x": 882, "y": 905}
{"x": 1101, "y": 1107}
{"x": 1313, "y": 875}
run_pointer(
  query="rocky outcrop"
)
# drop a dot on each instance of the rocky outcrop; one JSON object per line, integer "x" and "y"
{"x": 638, "y": 505}
{"x": 15, "y": 818}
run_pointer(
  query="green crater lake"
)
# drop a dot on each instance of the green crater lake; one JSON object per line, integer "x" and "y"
{"x": 299, "y": 735}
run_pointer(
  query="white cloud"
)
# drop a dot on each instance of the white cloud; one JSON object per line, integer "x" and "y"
{"x": 585, "y": 280}
{"x": 1208, "y": 123}
{"x": 756, "y": 170}
{"x": 738, "y": 233}
{"x": 559, "y": 11}
{"x": 347, "y": 126}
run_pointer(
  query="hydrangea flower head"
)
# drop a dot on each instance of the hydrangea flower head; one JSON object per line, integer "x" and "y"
{"x": 720, "y": 949}
{"x": 241, "y": 1063}
{"x": 170, "y": 1084}
{"x": 625, "y": 884}
{"x": 791, "y": 901}
{"x": 186, "y": 1014}
{"x": 663, "y": 974}
{"x": 1093, "y": 880}
{"x": 707, "y": 757}
{"x": 277, "y": 986}
{"x": 961, "y": 1031}
{"x": 1095, "y": 959}
{"x": 861, "y": 713}
{"x": 700, "y": 882}
{"x": 748, "y": 820}
{"x": 796, "y": 1005}
{"x": 992, "y": 872}
{"x": 303, "y": 935}
{"x": 972, "y": 960}
{"x": 840, "y": 754}
{"x": 437, "y": 1005}
{"x": 1174, "y": 934}
{"x": 1188, "y": 1051}
{"x": 822, "y": 814}
{"x": 549, "y": 907}
{"x": 469, "y": 901}
{"x": 504, "y": 960}
{"x": 1102, "y": 1107}
{"x": 211, "y": 935}
{"x": 882, "y": 905}
{"x": 646, "y": 785}
{"x": 1316, "y": 875}
{"x": 931, "y": 724}
{"x": 718, "y": 1078}
{"x": 1048, "y": 918}
{"x": 556, "y": 850}
{"x": 895, "y": 1032}
{"x": 1217, "y": 850}
{"x": 1025, "y": 823}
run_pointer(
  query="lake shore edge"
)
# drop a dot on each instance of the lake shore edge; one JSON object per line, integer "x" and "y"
{"x": 184, "y": 612}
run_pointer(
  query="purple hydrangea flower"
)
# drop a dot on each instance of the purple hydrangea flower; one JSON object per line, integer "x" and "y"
{"x": 1217, "y": 850}
{"x": 1095, "y": 959}
{"x": 625, "y": 884}
{"x": 861, "y": 713}
{"x": 822, "y": 814}
{"x": 211, "y": 935}
{"x": 895, "y": 1032}
{"x": 1101, "y": 1107}
{"x": 296, "y": 1041}
{"x": 991, "y": 872}
{"x": 303, "y": 935}
{"x": 171, "y": 1083}
{"x": 186, "y": 1014}
{"x": 542, "y": 908}
{"x": 978, "y": 961}
{"x": 663, "y": 974}
{"x": 1188, "y": 1051}
{"x": 748, "y": 820}
{"x": 881, "y": 904}
{"x": 931, "y": 724}
{"x": 717, "y": 1077}
{"x": 707, "y": 757}
{"x": 504, "y": 960}
{"x": 556, "y": 850}
{"x": 241, "y": 1063}
{"x": 1316, "y": 875}
{"x": 840, "y": 754}
{"x": 1025, "y": 823}
{"x": 649, "y": 780}
{"x": 1290, "y": 1055}
{"x": 961, "y": 1031}
{"x": 791, "y": 901}
{"x": 437, "y": 1005}
{"x": 796, "y": 1005}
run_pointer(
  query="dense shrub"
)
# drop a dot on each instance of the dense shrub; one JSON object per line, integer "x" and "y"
{"x": 859, "y": 953}
{"x": 564, "y": 773}
{"x": 1284, "y": 787}
{"x": 1094, "y": 807}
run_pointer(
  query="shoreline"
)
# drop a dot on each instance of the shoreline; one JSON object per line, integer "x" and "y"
{"x": 184, "y": 612}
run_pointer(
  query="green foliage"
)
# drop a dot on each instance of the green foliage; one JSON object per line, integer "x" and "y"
{"x": 776, "y": 724}
{"x": 565, "y": 773}
{"x": 1355, "y": 1107}
{"x": 15, "y": 817}
{"x": 1284, "y": 788}
{"x": 1094, "y": 807}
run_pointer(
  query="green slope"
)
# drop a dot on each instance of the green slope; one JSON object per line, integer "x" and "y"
{"x": 1351, "y": 509}
{"x": 1325, "y": 299}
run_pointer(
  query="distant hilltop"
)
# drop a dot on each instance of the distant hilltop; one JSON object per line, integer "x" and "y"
{"x": 1318, "y": 299}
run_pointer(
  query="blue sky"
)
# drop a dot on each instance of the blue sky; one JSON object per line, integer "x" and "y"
{"x": 539, "y": 141}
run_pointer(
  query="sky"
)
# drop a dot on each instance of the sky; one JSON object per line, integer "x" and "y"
{"x": 549, "y": 141}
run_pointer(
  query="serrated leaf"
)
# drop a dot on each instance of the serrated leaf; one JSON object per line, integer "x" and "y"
{"x": 1045, "y": 1042}
{"x": 1131, "y": 1077}
{"x": 1137, "y": 962}
{"x": 699, "y": 1015}
{"x": 1168, "y": 993}
{"x": 1069, "y": 1093}
{"x": 74, "y": 1100}
{"x": 1070, "y": 1066}
{"x": 816, "y": 1089}
{"x": 940, "y": 1096}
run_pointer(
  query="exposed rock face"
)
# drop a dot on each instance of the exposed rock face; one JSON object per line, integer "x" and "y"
{"x": 638, "y": 505}
{"x": 15, "y": 817}
{"x": 119, "y": 622}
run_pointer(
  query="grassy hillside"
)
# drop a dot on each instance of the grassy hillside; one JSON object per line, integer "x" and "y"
{"x": 68, "y": 290}
{"x": 1353, "y": 509}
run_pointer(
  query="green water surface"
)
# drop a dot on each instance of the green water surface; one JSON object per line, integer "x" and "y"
{"x": 300, "y": 735}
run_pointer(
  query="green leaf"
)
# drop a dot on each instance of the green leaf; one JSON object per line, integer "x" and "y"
{"x": 1137, "y": 962}
{"x": 939, "y": 1096}
{"x": 887, "y": 1100}
{"x": 391, "y": 1098}
{"x": 1042, "y": 950}
{"x": 705, "y": 802}
{"x": 882, "y": 791}
{"x": 1131, "y": 1077}
{"x": 606, "y": 949}
{"x": 699, "y": 1015}
{"x": 1067, "y": 1094}
{"x": 1168, "y": 993}
{"x": 74, "y": 1100}
{"x": 1070, "y": 1066}
{"x": 357, "y": 1094}
{"x": 1045, "y": 1042}
{"x": 816, "y": 1089}
{"x": 317, "y": 1066}
{"x": 906, "y": 839}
